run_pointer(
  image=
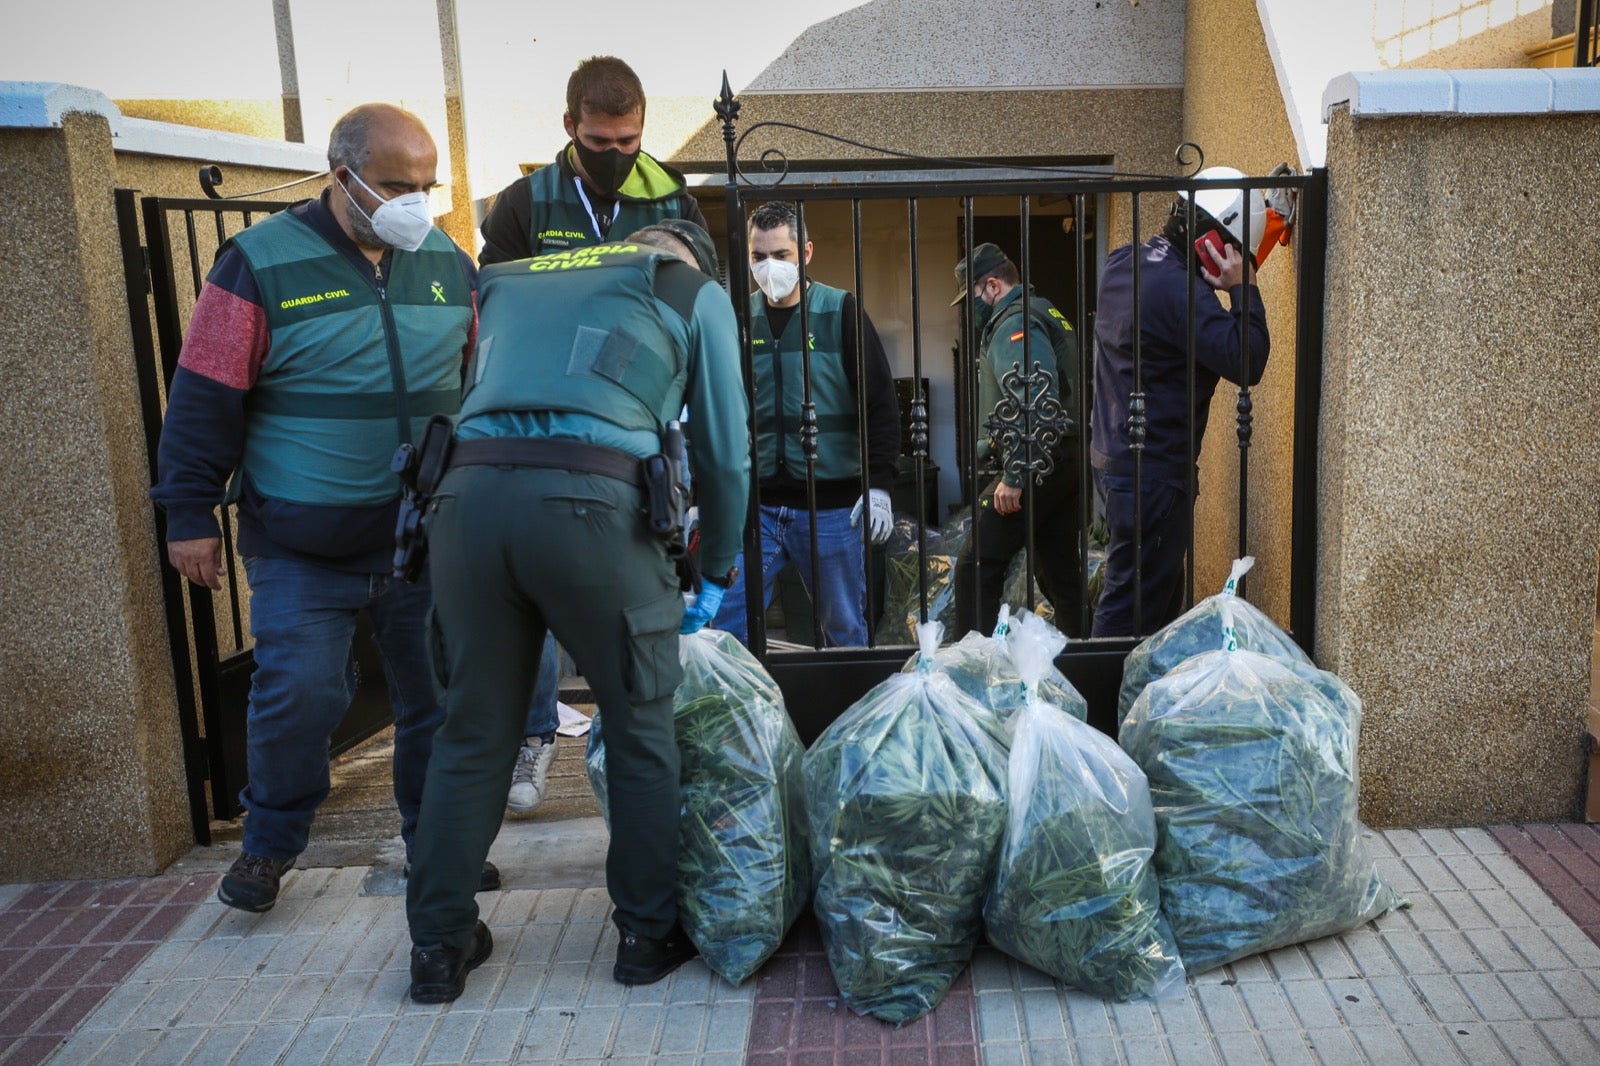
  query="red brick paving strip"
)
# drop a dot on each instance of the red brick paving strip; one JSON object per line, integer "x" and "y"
{"x": 65, "y": 945}
{"x": 799, "y": 1019}
{"x": 1565, "y": 861}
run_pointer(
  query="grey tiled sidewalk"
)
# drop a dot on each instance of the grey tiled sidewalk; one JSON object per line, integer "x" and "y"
{"x": 1484, "y": 968}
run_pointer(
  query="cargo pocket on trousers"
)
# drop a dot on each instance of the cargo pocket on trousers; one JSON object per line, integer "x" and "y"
{"x": 652, "y": 668}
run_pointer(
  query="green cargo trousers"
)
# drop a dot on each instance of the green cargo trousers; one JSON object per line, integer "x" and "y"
{"x": 515, "y": 550}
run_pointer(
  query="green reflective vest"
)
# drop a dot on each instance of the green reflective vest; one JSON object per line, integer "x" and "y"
{"x": 560, "y": 221}
{"x": 780, "y": 389}
{"x": 578, "y": 332}
{"x": 347, "y": 362}
{"x": 1003, "y": 345}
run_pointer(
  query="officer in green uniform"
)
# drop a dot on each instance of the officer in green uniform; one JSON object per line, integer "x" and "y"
{"x": 539, "y": 523}
{"x": 1018, "y": 329}
{"x": 601, "y": 182}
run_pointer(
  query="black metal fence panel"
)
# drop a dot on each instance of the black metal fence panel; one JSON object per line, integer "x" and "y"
{"x": 1056, "y": 226}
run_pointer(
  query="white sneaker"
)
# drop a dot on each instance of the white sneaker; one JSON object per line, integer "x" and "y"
{"x": 530, "y": 779}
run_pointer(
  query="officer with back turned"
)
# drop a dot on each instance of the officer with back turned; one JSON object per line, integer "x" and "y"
{"x": 543, "y": 521}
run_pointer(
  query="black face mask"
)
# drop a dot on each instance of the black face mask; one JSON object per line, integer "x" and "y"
{"x": 607, "y": 170}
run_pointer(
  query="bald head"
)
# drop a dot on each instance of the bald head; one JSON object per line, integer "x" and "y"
{"x": 353, "y": 137}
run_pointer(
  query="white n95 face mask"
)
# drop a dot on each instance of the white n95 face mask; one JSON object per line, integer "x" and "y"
{"x": 775, "y": 277}
{"x": 402, "y": 222}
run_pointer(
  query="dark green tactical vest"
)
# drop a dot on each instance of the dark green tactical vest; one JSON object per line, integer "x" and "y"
{"x": 780, "y": 389}
{"x": 1060, "y": 362}
{"x": 578, "y": 332}
{"x": 346, "y": 363}
{"x": 559, "y": 220}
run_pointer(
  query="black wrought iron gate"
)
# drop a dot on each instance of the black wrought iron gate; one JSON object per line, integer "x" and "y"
{"x": 820, "y": 682}
{"x": 168, "y": 245}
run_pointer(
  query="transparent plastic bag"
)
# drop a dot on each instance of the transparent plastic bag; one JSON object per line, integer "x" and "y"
{"x": 744, "y": 867}
{"x": 1201, "y": 629}
{"x": 984, "y": 669}
{"x": 904, "y": 561}
{"x": 904, "y": 795}
{"x": 1075, "y": 892}
{"x": 1252, "y": 768}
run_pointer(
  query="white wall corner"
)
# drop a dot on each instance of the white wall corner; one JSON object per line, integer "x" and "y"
{"x": 1511, "y": 91}
{"x": 145, "y": 137}
{"x": 43, "y": 104}
{"x": 1391, "y": 92}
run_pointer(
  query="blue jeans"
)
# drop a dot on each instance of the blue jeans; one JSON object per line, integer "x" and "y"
{"x": 303, "y": 619}
{"x": 1165, "y": 513}
{"x": 786, "y": 538}
{"x": 542, "y": 714}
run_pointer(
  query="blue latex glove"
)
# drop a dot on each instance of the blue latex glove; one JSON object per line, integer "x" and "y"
{"x": 704, "y": 608}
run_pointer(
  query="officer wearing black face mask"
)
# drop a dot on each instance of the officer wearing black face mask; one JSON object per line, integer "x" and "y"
{"x": 601, "y": 183}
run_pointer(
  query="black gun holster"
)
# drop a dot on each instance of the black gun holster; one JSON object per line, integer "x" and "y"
{"x": 420, "y": 468}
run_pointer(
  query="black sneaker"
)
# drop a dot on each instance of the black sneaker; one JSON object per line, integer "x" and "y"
{"x": 251, "y": 883}
{"x": 642, "y": 960}
{"x": 488, "y": 878}
{"x": 439, "y": 974}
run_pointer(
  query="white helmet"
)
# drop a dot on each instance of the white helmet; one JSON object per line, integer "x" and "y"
{"x": 1227, "y": 205}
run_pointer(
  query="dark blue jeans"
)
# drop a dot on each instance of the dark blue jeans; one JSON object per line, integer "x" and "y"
{"x": 303, "y": 619}
{"x": 543, "y": 717}
{"x": 1166, "y": 513}
{"x": 785, "y": 539}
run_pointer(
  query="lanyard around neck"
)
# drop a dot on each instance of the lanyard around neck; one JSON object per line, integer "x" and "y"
{"x": 601, "y": 226}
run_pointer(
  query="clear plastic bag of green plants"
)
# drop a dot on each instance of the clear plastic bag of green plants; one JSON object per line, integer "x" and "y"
{"x": 744, "y": 868}
{"x": 983, "y": 668}
{"x": 904, "y": 794}
{"x": 904, "y": 561}
{"x": 1075, "y": 891}
{"x": 1252, "y": 768}
{"x": 1198, "y": 629}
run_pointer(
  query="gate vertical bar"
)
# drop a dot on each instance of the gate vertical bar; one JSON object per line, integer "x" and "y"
{"x": 727, "y": 109}
{"x": 1311, "y": 240}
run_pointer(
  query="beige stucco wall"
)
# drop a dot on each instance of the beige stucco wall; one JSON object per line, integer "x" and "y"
{"x": 91, "y": 775}
{"x": 1460, "y": 468}
{"x": 1237, "y": 122}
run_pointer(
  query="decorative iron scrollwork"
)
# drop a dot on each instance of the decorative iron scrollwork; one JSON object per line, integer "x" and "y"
{"x": 1197, "y": 164}
{"x": 211, "y": 178}
{"x": 1028, "y": 422}
{"x": 919, "y": 426}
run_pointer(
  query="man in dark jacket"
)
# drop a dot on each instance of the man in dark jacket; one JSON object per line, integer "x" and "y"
{"x": 1157, "y": 484}
{"x": 601, "y": 181}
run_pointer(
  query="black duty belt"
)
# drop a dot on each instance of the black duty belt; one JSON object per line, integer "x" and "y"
{"x": 550, "y": 454}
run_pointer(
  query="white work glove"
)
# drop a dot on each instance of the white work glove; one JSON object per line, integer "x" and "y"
{"x": 881, "y": 521}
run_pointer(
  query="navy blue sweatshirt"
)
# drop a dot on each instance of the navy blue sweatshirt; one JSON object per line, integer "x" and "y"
{"x": 1164, "y": 357}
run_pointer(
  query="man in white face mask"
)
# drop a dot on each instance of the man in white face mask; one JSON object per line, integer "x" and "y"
{"x": 285, "y": 387}
{"x": 842, "y": 366}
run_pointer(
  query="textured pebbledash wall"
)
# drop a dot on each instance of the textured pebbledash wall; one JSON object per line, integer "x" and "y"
{"x": 91, "y": 773}
{"x": 1461, "y": 439}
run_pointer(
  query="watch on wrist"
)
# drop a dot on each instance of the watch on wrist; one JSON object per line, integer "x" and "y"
{"x": 726, "y": 580}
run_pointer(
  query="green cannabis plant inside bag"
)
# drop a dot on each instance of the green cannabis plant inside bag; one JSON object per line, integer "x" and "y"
{"x": 1075, "y": 892}
{"x": 1252, "y": 768}
{"x": 904, "y": 794}
{"x": 743, "y": 862}
{"x": 1200, "y": 629}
